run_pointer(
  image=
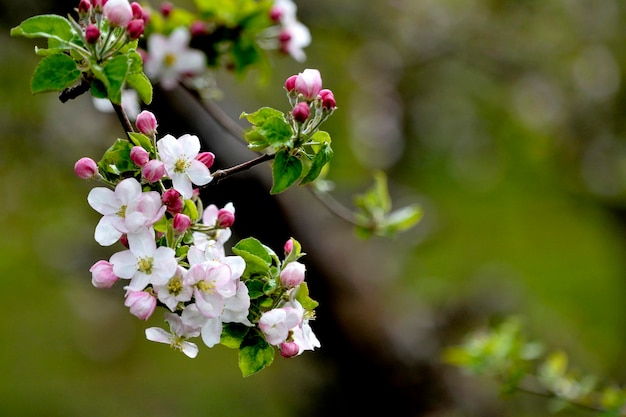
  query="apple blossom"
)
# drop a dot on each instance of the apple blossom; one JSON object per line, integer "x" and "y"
{"x": 212, "y": 282}
{"x": 153, "y": 170}
{"x": 139, "y": 156}
{"x": 174, "y": 292}
{"x": 309, "y": 83}
{"x": 143, "y": 263}
{"x": 173, "y": 201}
{"x": 289, "y": 349}
{"x": 180, "y": 332}
{"x": 180, "y": 163}
{"x": 170, "y": 58}
{"x": 277, "y": 322}
{"x": 181, "y": 222}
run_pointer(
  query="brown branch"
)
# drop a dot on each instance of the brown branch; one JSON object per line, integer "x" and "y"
{"x": 223, "y": 173}
{"x": 121, "y": 114}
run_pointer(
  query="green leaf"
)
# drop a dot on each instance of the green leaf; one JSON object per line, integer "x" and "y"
{"x": 233, "y": 334}
{"x": 255, "y": 288}
{"x": 322, "y": 157}
{"x": 57, "y": 29}
{"x": 286, "y": 170}
{"x": 98, "y": 89}
{"x": 54, "y": 73}
{"x": 116, "y": 159}
{"x": 115, "y": 71}
{"x": 277, "y": 131}
{"x": 139, "y": 139}
{"x": 254, "y": 354}
{"x": 141, "y": 83}
{"x": 260, "y": 116}
{"x": 401, "y": 220}
{"x": 256, "y": 255}
{"x": 302, "y": 295}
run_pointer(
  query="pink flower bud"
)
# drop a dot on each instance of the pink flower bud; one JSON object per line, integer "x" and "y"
{"x": 328, "y": 99}
{"x": 146, "y": 123}
{"x": 92, "y": 34}
{"x": 166, "y": 8}
{"x": 206, "y": 158}
{"x": 289, "y": 349}
{"x": 293, "y": 274}
{"x": 173, "y": 201}
{"x": 135, "y": 28}
{"x": 153, "y": 170}
{"x": 124, "y": 241}
{"x": 301, "y": 112}
{"x": 198, "y": 28}
{"x": 225, "y": 218}
{"x": 276, "y": 13}
{"x": 137, "y": 10}
{"x": 309, "y": 83}
{"x": 288, "y": 247}
{"x": 181, "y": 223}
{"x": 141, "y": 304}
{"x": 102, "y": 275}
{"x": 118, "y": 12}
{"x": 290, "y": 83}
{"x": 139, "y": 156}
{"x": 84, "y": 7}
{"x": 86, "y": 168}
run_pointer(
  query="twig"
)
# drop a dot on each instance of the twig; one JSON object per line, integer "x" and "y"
{"x": 223, "y": 173}
{"x": 121, "y": 114}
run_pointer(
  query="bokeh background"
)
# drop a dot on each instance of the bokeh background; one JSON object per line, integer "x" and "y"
{"x": 504, "y": 119}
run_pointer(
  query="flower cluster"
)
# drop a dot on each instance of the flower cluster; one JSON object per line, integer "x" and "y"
{"x": 293, "y": 36}
{"x": 311, "y": 103}
{"x": 174, "y": 253}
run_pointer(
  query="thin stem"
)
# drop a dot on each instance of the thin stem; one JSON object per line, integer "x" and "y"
{"x": 121, "y": 114}
{"x": 335, "y": 206}
{"x": 223, "y": 119}
{"x": 223, "y": 173}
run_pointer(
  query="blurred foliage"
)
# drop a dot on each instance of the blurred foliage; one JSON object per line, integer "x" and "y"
{"x": 504, "y": 119}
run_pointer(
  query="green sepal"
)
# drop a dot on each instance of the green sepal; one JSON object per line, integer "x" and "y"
{"x": 322, "y": 157}
{"x": 254, "y": 354}
{"x": 286, "y": 170}
{"x": 56, "y": 28}
{"x": 54, "y": 73}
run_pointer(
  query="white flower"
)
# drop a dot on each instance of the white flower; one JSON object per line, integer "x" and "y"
{"x": 174, "y": 291}
{"x": 277, "y": 322}
{"x": 181, "y": 165}
{"x": 180, "y": 330}
{"x": 144, "y": 263}
{"x": 170, "y": 58}
{"x": 125, "y": 210}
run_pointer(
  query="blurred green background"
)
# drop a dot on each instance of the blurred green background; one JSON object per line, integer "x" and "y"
{"x": 504, "y": 119}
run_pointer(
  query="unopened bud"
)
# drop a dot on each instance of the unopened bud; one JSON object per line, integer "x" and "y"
{"x": 328, "y": 99}
{"x": 102, "y": 275}
{"x": 92, "y": 34}
{"x": 118, "y": 12}
{"x": 288, "y": 247}
{"x": 137, "y": 10}
{"x": 293, "y": 274}
{"x": 153, "y": 170}
{"x": 290, "y": 83}
{"x": 309, "y": 83}
{"x": 135, "y": 28}
{"x": 289, "y": 349}
{"x": 207, "y": 158}
{"x": 166, "y": 8}
{"x": 301, "y": 112}
{"x": 146, "y": 123}
{"x": 84, "y": 7}
{"x": 86, "y": 168}
{"x": 141, "y": 304}
{"x": 139, "y": 156}
{"x": 198, "y": 28}
{"x": 173, "y": 201}
{"x": 181, "y": 223}
{"x": 225, "y": 218}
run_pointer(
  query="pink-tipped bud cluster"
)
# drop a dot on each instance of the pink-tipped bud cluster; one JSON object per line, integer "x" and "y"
{"x": 86, "y": 168}
{"x": 146, "y": 123}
